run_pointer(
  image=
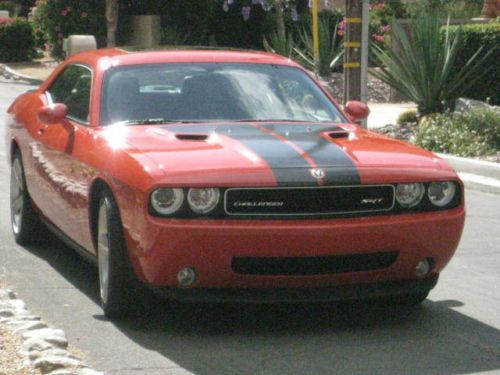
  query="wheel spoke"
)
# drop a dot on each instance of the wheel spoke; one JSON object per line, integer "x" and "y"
{"x": 103, "y": 250}
{"x": 16, "y": 195}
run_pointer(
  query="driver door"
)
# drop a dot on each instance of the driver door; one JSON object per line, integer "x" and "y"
{"x": 57, "y": 154}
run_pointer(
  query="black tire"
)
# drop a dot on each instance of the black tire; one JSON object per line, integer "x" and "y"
{"x": 411, "y": 299}
{"x": 26, "y": 225}
{"x": 404, "y": 300}
{"x": 119, "y": 288}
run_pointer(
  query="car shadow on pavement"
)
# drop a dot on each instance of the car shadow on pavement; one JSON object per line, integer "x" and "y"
{"x": 340, "y": 338}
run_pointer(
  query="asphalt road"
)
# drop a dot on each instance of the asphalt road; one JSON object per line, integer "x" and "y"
{"x": 455, "y": 331}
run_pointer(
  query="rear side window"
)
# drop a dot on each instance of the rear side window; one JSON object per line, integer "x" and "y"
{"x": 72, "y": 87}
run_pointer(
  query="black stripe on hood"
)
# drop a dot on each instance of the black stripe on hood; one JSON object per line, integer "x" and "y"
{"x": 338, "y": 166}
{"x": 288, "y": 166}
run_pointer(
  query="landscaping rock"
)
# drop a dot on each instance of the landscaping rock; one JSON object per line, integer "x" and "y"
{"x": 48, "y": 353}
{"x": 43, "y": 348}
{"x": 465, "y": 104}
{"x": 51, "y": 363}
{"x": 30, "y": 326}
{"x": 44, "y": 332}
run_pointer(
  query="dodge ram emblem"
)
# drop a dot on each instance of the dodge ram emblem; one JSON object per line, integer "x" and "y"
{"x": 317, "y": 173}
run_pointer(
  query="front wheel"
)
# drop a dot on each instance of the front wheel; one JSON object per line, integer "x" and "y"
{"x": 26, "y": 225}
{"x": 117, "y": 282}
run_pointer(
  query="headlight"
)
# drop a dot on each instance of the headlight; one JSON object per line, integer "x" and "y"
{"x": 441, "y": 193}
{"x": 409, "y": 195}
{"x": 166, "y": 201}
{"x": 203, "y": 201}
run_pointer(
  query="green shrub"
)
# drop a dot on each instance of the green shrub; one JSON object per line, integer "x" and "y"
{"x": 9, "y": 6}
{"x": 60, "y": 19}
{"x": 471, "y": 133}
{"x": 409, "y": 115}
{"x": 456, "y": 9}
{"x": 16, "y": 41}
{"x": 488, "y": 37}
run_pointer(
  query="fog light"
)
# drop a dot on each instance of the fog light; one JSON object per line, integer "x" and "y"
{"x": 423, "y": 267}
{"x": 186, "y": 277}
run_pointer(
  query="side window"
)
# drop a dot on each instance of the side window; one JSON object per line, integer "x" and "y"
{"x": 72, "y": 87}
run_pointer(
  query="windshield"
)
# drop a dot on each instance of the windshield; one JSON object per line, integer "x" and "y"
{"x": 213, "y": 92}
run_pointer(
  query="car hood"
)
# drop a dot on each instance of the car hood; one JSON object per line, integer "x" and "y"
{"x": 268, "y": 154}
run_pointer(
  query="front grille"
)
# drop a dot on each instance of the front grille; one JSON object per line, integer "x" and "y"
{"x": 309, "y": 201}
{"x": 313, "y": 265}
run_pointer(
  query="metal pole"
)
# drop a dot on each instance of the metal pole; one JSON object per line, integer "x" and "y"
{"x": 315, "y": 35}
{"x": 352, "y": 47}
{"x": 364, "y": 50}
{"x": 365, "y": 35}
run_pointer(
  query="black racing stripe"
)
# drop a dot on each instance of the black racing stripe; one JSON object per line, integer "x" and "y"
{"x": 288, "y": 166}
{"x": 338, "y": 166}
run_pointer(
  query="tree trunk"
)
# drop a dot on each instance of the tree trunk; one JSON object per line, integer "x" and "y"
{"x": 111, "y": 21}
{"x": 280, "y": 19}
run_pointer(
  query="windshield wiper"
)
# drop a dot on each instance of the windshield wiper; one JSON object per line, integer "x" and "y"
{"x": 272, "y": 120}
{"x": 153, "y": 121}
{"x": 147, "y": 121}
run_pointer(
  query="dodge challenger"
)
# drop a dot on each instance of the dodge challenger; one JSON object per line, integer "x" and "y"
{"x": 225, "y": 176}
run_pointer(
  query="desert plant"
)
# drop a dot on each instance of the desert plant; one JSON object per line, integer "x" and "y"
{"x": 422, "y": 69}
{"x": 330, "y": 48}
{"x": 277, "y": 43}
{"x": 470, "y": 133}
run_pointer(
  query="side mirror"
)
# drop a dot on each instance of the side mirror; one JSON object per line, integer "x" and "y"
{"x": 52, "y": 114}
{"x": 356, "y": 110}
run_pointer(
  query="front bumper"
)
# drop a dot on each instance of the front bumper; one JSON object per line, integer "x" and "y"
{"x": 302, "y": 295}
{"x": 165, "y": 246}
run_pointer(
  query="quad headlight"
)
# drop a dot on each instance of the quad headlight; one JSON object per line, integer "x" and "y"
{"x": 170, "y": 201}
{"x": 203, "y": 201}
{"x": 166, "y": 201}
{"x": 441, "y": 193}
{"x": 409, "y": 195}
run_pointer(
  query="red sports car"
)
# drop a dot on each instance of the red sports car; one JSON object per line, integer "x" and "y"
{"x": 215, "y": 175}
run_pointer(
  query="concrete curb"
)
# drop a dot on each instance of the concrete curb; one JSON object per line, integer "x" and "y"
{"x": 477, "y": 174}
{"x": 8, "y": 72}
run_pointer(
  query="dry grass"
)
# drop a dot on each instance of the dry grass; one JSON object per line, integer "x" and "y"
{"x": 10, "y": 361}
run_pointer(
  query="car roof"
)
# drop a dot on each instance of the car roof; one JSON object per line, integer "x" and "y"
{"x": 130, "y": 57}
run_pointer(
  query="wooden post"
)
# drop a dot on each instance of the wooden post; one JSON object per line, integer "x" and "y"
{"x": 352, "y": 48}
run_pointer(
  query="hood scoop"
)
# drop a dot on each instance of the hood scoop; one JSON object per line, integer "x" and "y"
{"x": 191, "y": 137}
{"x": 338, "y": 134}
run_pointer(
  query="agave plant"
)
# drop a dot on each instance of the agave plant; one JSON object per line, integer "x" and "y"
{"x": 279, "y": 43}
{"x": 423, "y": 69}
{"x": 330, "y": 48}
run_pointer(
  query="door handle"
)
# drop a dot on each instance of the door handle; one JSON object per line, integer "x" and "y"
{"x": 41, "y": 131}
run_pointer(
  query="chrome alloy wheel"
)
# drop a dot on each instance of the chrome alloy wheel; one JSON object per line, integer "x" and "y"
{"x": 103, "y": 249}
{"x": 17, "y": 194}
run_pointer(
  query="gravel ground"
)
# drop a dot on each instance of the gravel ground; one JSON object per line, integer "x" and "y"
{"x": 378, "y": 91}
{"x": 11, "y": 362}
